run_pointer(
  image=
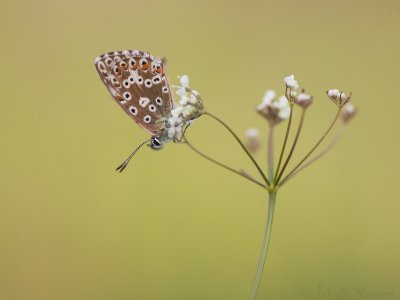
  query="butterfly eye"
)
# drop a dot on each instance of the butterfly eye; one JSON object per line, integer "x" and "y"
{"x": 165, "y": 89}
{"x": 133, "y": 64}
{"x": 144, "y": 64}
{"x": 131, "y": 79}
{"x": 139, "y": 80}
{"x": 147, "y": 119}
{"x": 159, "y": 101}
{"x": 127, "y": 96}
{"x": 152, "y": 108}
{"x": 148, "y": 83}
{"x": 133, "y": 110}
{"x": 156, "y": 79}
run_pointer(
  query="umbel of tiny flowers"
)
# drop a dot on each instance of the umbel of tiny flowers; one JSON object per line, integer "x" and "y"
{"x": 339, "y": 98}
{"x": 303, "y": 100}
{"x": 291, "y": 87}
{"x": 275, "y": 111}
{"x": 189, "y": 108}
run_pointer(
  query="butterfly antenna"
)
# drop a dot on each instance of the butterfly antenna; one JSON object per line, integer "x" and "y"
{"x": 125, "y": 163}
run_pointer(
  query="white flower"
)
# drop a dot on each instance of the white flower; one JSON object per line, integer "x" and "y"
{"x": 171, "y": 132}
{"x": 252, "y": 133}
{"x": 184, "y": 79}
{"x": 339, "y": 98}
{"x": 274, "y": 110}
{"x": 176, "y": 111}
{"x": 303, "y": 100}
{"x": 252, "y": 139}
{"x": 348, "y": 113}
{"x": 283, "y": 107}
{"x": 267, "y": 99}
{"x": 333, "y": 93}
{"x": 189, "y": 111}
{"x": 291, "y": 82}
{"x": 349, "y": 108}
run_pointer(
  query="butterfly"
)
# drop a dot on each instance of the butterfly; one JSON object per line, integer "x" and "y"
{"x": 137, "y": 82}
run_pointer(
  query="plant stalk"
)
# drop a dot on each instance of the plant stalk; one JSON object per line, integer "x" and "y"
{"x": 270, "y": 155}
{"x": 242, "y": 145}
{"x": 285, "y": 141}
{"x": 223, "y": 165}
{"x": 265, "y": 244}
{"x": 293, "y": 147}
{"x": 315, "y": 146}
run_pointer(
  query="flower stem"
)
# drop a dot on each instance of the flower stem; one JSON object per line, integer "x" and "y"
{"x": 242, "y": 145}
{"x": 223, "y": 165}
{"x": 285, "y": 141}
{"x": 265, "y": 244}
{"x": 317, "y": 157}
{"x": 293, "y": 147}
{"x": 315, "y": 146}
{"x": 270, "y": 155}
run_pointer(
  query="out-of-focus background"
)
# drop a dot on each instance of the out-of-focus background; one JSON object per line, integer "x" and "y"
{"x": 173, "y": 226}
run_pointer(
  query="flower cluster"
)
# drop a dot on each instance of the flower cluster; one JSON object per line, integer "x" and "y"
{"x": 190, "y": 107}
{"x": 276, "y": 110}
{"x": 272, "y": 109}
{"x": 339, "y": 98}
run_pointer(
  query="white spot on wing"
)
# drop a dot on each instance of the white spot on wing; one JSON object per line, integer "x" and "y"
{"x": 147, "y": 119}
{"x": 143, "y": 101}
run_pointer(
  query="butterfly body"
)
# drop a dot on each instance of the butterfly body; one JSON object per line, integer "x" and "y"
{"x": 137, "y": 82}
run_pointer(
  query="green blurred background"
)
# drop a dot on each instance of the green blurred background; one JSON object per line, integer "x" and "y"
{"x": 174, "y": 226}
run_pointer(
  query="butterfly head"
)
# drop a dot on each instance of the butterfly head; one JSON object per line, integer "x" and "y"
{"x": 156, "y": 143}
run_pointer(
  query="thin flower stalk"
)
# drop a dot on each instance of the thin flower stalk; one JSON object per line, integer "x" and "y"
{"x": 265, "y": 245}
{"x": 270, "y": 152}
{"x": 284, "y": 141}
{"x": 242, "y": 145}
{"x": 242, "y": 174}
{"x": 316, "y": 145}
{"x": 317, "y": 157}
{"x": 303, "y": 112}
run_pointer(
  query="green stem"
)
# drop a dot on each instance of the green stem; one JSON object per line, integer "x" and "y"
{"x": 285, "y": 141}
{"x": 223, "y": 165}
{"x": 242, "y": 145}
{"x": 315, "y": 146}
{"x": 270, "y": 155}
{"x": 265, "y": 244}
{"x": 317, "y": 157}
{"x": 293, "y": 146}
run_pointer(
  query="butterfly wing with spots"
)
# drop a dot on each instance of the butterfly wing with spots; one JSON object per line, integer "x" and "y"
{"x": 137, "y": 81}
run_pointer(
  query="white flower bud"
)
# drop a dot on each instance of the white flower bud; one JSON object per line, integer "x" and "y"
{"x": 171, "y": 132}
{"x": 252, "y": 139}
{"x": 291, "y": 82}
{"x": 184, "y": 79}
{"x": 303, "y": 100}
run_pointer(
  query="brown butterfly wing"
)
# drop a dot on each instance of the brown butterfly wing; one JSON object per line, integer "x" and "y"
{"x": 137, "y": 81}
